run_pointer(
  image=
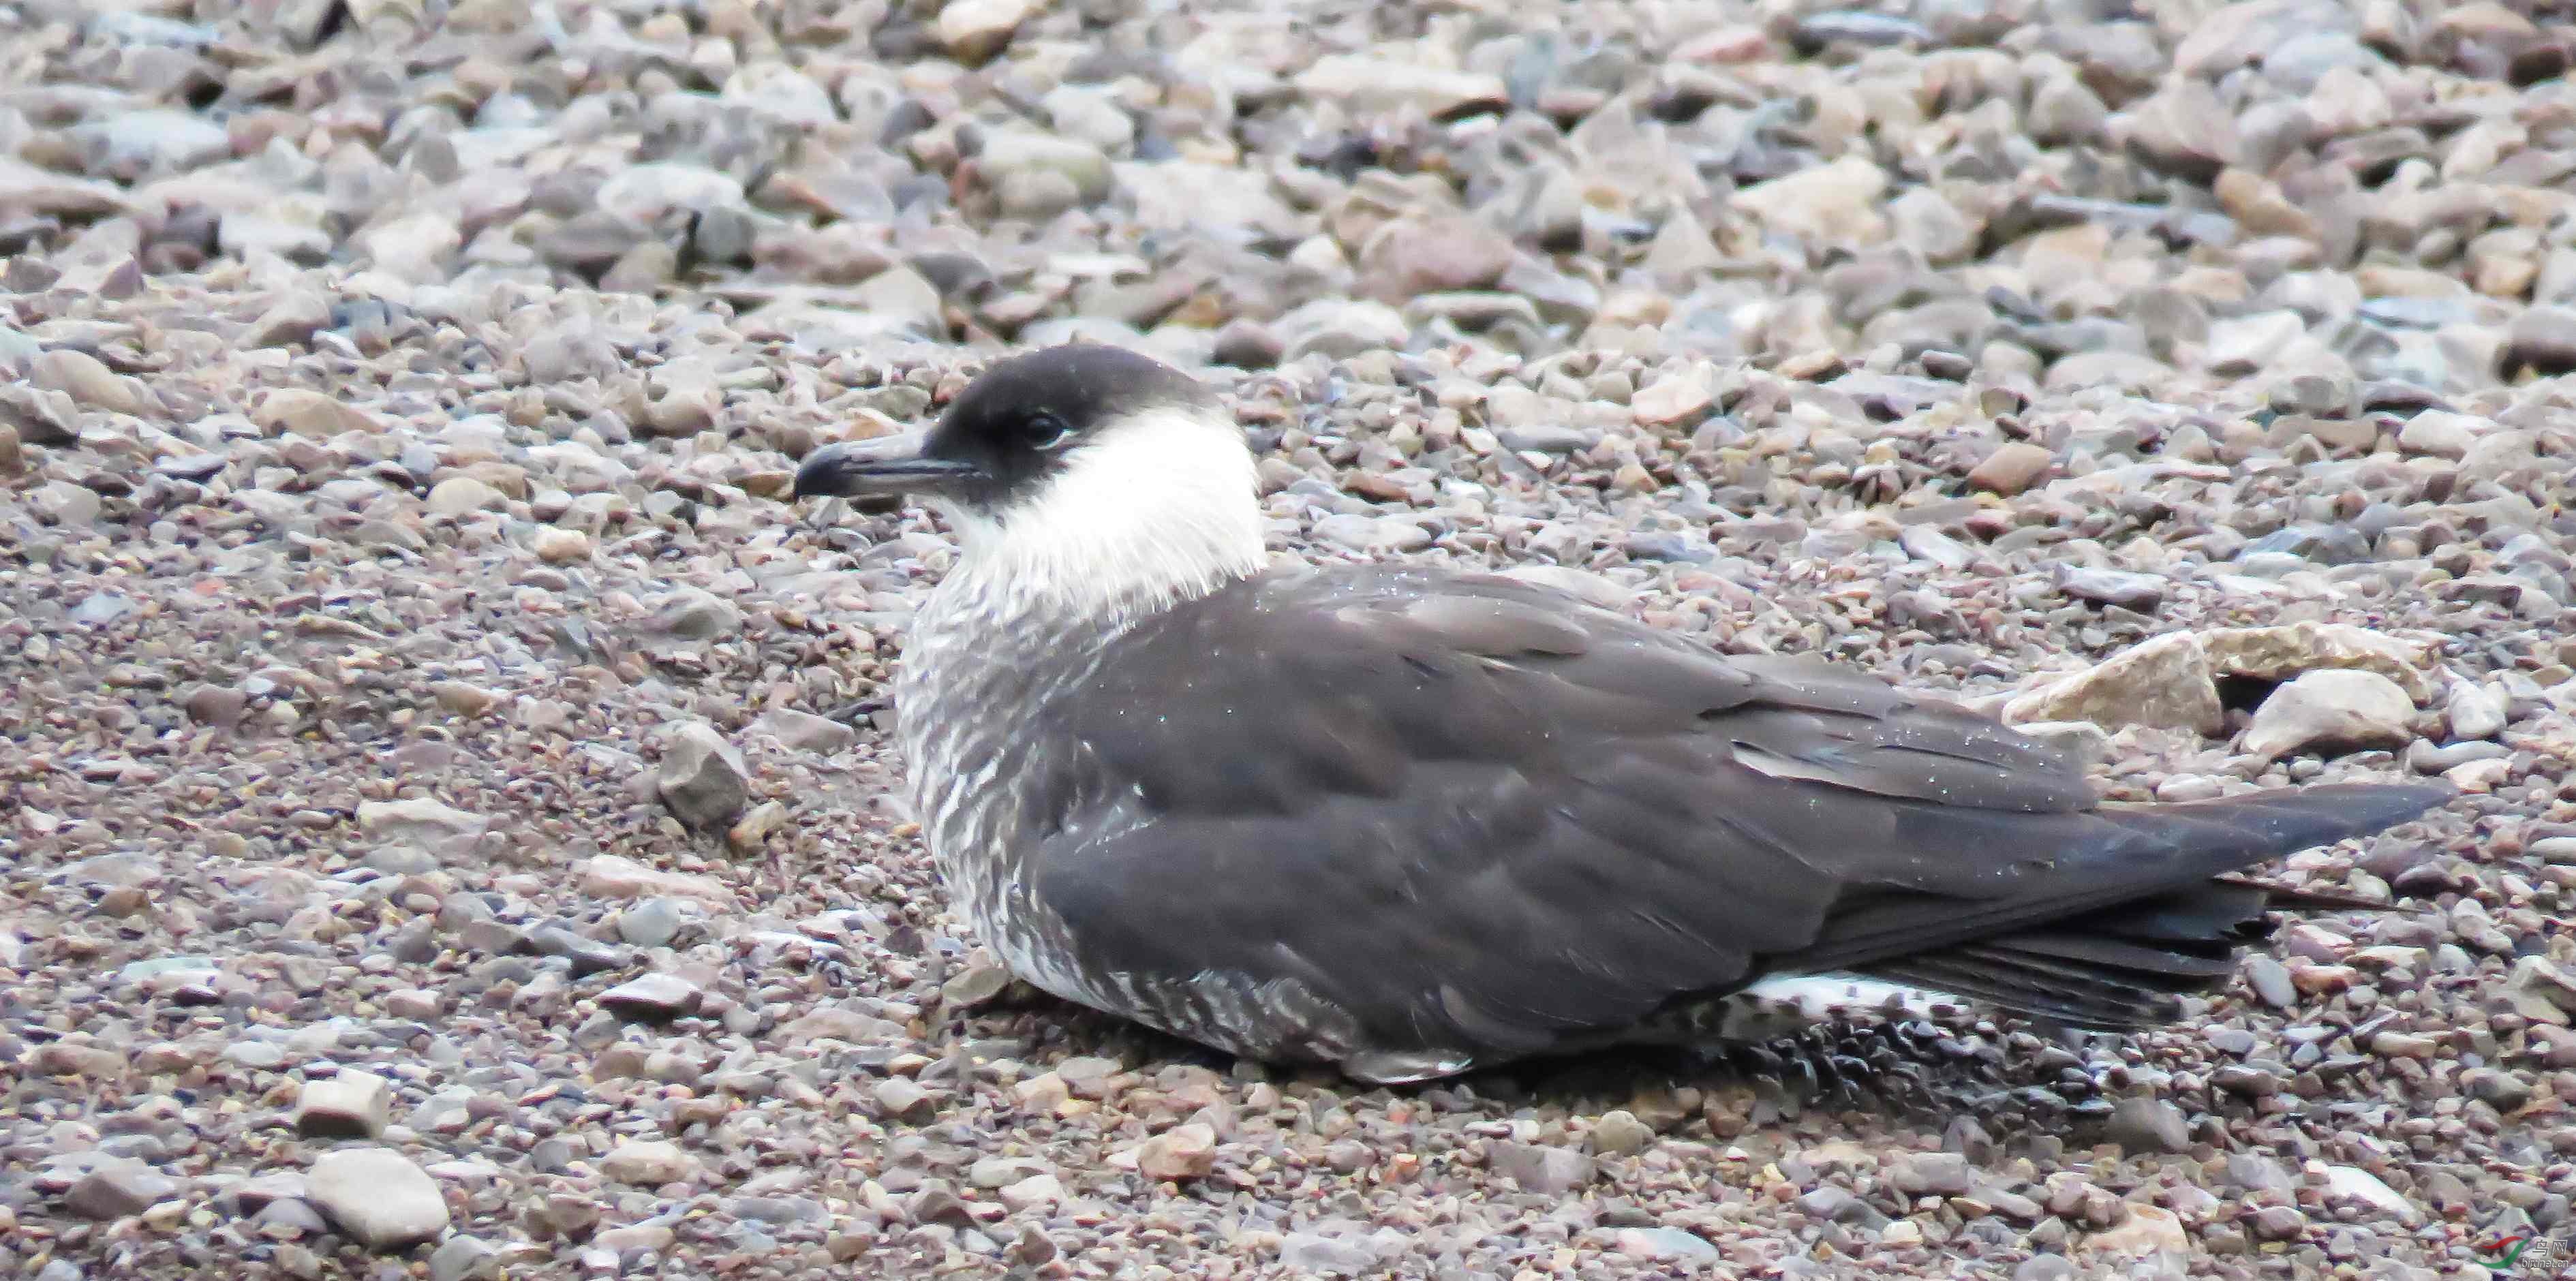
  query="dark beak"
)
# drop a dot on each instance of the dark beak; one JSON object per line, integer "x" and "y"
{"x": 882, "y": 467}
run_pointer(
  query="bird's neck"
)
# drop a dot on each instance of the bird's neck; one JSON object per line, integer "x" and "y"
{"x": 1127, "y": 530}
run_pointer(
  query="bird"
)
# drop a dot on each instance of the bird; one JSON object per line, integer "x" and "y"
{"x": 1407, "y": 820}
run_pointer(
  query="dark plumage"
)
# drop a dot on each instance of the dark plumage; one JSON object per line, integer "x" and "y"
{"x": 1410, "y": 820}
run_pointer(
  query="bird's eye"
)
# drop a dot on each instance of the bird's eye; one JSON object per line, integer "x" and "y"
{"x": 1045, "y": 431}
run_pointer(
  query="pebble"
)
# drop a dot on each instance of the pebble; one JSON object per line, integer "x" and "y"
{"x": 647, "y": 1163}
{"x": 1546, "y": 1170}
{"x": 702, "y": 778}
{"x": 377, "y": 1197}
{"x": 2148, "y": 1125}
{"x": 345, "y": 1104}
{"x": 2331, "y": 709}
{"x": 653, "y": 998}
{"x": 119, "y": 1191}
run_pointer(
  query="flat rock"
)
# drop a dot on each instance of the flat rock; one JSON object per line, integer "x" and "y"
{"x": 647, "y": 1163}
{"x": 2162, "y": 683}
{"x": 2331, "y": 709}
{"x": 377, "y": 1197}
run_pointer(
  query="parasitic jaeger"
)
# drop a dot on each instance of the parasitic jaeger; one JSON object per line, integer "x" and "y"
{"x": 1410, "y": 821}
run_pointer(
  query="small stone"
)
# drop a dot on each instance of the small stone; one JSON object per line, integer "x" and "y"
{"x": 1666, "y": 1244}
{"x": 806, "y": 732}
{"x": 1410, "y": 257}
{"x": 1546, "y": 1170}
{"x": 2279, "y": 1223}
{"x": 2474, "y": 711}
{"x": 87, "y": 380}
{"x": 651, "y": 923}
{"x": 647, "y": 1163}
{"x": 974, "y": 985}
{"x": 2331, "y": 709}
{"x": 119, "y": 1191}
{"x": 377, "y": 1197}
{"x": 2011, "y": 469}
{"x": 1932, "y": 1174}
{"x": 298, "y": 411}
{"x": 2271, "y": 982}
{"x": 2541, "y": 992}
{"x": 2163, "y": 683}
{"x": 653, "y": 998}
{"x": 2148, "y": 1125}
{"x": 1182, "y": 1152}
{"x": 1671, "y": 403}
{"x": 702, "y": 779}
{"x": 464, "y": 1258}
{"x": 974, "y": 30}
{"x": 2149, "y": 1229}
{"x": 557, "y": 546}
{"x": 417, "y": 821}
{"x": 903, "y": 1099}
{"x": 345, "y": 1105}
{"x": 1619, "y": 1133}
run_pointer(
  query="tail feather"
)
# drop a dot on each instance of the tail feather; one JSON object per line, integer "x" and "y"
{"x": 2119, "y": 961}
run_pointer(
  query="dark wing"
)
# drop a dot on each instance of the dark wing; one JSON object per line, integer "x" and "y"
{"x": 1477, "y": 815}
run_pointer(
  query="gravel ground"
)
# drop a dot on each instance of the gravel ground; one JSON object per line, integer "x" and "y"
{"x": 449, "y": 827}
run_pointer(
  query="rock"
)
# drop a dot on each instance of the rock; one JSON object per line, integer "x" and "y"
{"x": 2149, "y": 1229}
{"x": 1666, "y": 1244}
{"x": 119, "y": 1191}
{"x": 1932, "y": 1174}
{"x": 2541, "y": 992}
{"x": 2271, "y": 982}
{"x": 2474, "y": 711}
{"x": 1374, "y": 85}
{"x": 300, "y": 412}
{"x": 652, "y": 998}
{"x": 2280, "y": 653}
{"x": 464, "y": 1258}
{"x": 417, "y": 821}
{"x": 295, "y": 317}
{"x": 2009, "y": 470}
{"x": 2331, "y": 709}
{"x": 613, "y": 876}
{"x": 2542, "y": 340}
{"x": 2162, "y": 683}
{"x": 651, "y": 923}
{"x": 805, "y": 732}
{"x": 88, "y": 381}
{"x": 1546, "y": 1170}
{"x": 1672, "y": 403}
{"x": 903, "y": 1099}
{"x": 974, "y": 30}
{"x": 649, "y": 1163}
{"x": 2148, "y": 1125}
{"x": 560, "y": 546}
{"x": 459, "y": 495}
{"x": 1182, "y": 1152}
{"x": 1409, "y": 257}
{"x": 702, "y": 779}
{"x": 1029, "y": 152}
{"x": 1829, "y": 204}
{"x": 39, "y": 417}
{"x": 1619, "y": 1133}
{"x": 2356, "y": 1184}
{"x": 345, "y": 1105}
{"x": 377, "y": 1197}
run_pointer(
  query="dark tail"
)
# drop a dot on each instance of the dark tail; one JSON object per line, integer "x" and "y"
{"x": 2122, "y": 965}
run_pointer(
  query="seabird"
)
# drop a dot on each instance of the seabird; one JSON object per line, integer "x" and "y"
{"x": 1409, "y": 821}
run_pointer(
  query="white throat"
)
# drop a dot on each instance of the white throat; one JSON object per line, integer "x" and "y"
{"x": 1154, "y": 509}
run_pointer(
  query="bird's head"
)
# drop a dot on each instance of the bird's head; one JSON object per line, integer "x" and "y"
{"x": 1083, "y": 471}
